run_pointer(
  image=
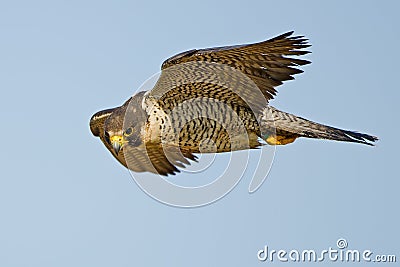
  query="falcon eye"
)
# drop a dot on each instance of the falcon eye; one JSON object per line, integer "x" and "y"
{"x": 107, "y": 137}
{"x": 128, "y": 131}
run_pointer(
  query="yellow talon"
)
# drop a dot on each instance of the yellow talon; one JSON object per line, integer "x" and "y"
{"x": 280, "y": 140}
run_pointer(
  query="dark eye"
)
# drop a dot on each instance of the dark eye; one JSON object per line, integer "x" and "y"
{"x": 128, "y": 131}
{"x": 107, "y": 137}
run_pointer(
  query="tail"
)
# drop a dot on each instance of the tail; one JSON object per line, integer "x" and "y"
{"x": 283, "y": 128}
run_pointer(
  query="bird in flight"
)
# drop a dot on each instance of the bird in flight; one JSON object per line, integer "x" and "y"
{"x": 209, "y": 101}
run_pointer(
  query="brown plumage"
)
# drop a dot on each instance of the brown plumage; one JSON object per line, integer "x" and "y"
{"x": 211, "y": 100}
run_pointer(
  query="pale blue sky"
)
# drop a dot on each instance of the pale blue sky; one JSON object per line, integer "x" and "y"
{"x": 64, "y": 201}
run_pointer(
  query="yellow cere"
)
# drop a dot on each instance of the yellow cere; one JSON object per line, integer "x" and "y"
{"x": 117, "y": 139}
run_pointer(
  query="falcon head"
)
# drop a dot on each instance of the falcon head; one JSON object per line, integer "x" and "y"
{"x": 124, "y": 125}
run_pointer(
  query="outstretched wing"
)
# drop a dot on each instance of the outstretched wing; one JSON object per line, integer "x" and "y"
{"x": 231, "y": 73}
{"x": 157, "y": 159}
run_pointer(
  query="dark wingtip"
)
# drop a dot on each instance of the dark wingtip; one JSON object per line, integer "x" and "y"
{"x": 174, "y": 171}
{"x": 289, "y": 33}
{"x": 282, "y": 36}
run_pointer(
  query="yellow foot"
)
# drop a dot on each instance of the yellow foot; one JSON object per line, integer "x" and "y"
{"x": 280, "y": 139}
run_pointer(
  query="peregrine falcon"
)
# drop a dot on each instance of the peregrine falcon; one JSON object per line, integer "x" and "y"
{"x": 209, "y": 101}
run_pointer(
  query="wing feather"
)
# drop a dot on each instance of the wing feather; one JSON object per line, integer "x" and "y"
{"x": 157, "y": 159}
{"x": 265, "y": 64}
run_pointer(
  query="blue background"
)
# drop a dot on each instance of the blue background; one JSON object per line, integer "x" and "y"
{"x": 65, "y": 202}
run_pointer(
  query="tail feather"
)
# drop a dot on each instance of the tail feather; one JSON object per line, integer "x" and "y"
{"x": 293, "y": 125}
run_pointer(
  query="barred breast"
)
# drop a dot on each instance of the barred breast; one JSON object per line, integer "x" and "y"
{"x": 204, "y": 125}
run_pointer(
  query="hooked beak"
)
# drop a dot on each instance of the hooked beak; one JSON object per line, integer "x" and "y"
{"x": 117, "y": 142}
